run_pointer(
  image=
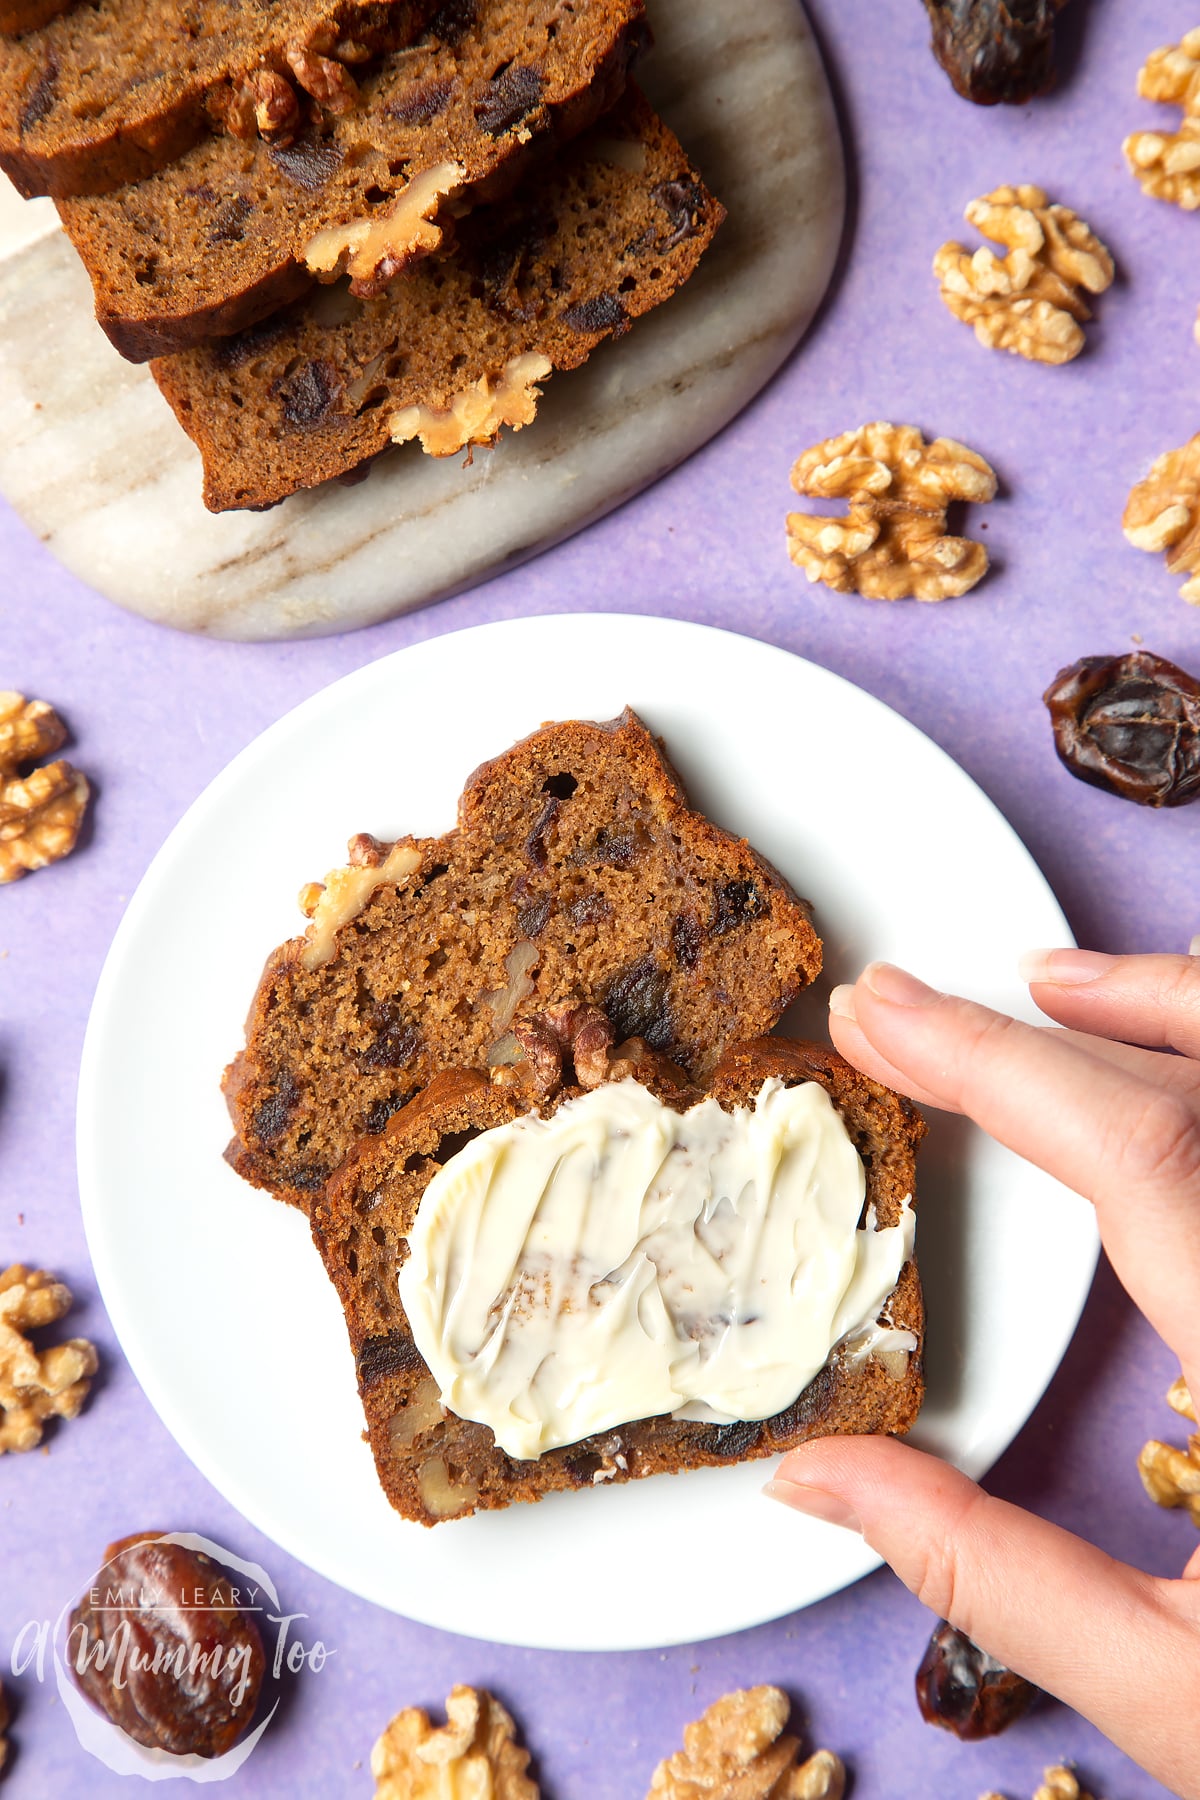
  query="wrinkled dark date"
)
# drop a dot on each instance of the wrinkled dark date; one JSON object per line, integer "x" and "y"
{"x": 966, "y": 1691}
{"x": 996, "y": 50}
{"x": 638, "y": 1004}
{"x": 1130, "y": 725}
{"x": 161, "y": 1646}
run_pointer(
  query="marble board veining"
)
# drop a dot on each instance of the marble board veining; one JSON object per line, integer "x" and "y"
{"x": 92, "y": 458}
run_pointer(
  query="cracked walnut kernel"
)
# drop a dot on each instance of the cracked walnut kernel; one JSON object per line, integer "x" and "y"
{"x": 29, "y": 730}
{"x": 276, "y": 108}
{"x": 1180, "y": 1400}
{"x": 1058, "y": 1783}
{"x": 36, "y": 1385}
{"x": 40, "y": 813}
{"x": 893, "y": 543}
{"x": 1163, "y": 513}
{"x": 1028, "y": 301}
{"x": 474, "y": 1753}
{"x": 323, "y": 77}
{"x": 1167, "y": 164}
{"x": 567, "y": 1030}
{"x": 736, "y": 1751}
{"x": 1171, "y": 1477}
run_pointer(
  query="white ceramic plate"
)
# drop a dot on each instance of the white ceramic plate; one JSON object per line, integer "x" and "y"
{"x": 260, "y": 1392}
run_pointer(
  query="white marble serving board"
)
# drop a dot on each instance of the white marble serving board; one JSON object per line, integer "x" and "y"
{"x": 91, "y": 456}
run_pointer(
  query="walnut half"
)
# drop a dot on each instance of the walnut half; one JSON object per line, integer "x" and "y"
{"x": 1029, "y": 301}
{"x": 1058, "y": 1783}
{"x": 737, "y": 1751}
{"x": 893, "y": 544}
{"x": 1163, "y": 513}
{"x": 41, "y": 811}
{"x": 474, "y": 1753}
{"x": 36, "y": 1385}
{"x": 565, "y": 1031}
{"x": 1171, "y": 1477}
{"x": 1167, "y": 163}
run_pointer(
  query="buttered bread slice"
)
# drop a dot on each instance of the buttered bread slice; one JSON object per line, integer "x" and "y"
{"x": 582, "y": 1269}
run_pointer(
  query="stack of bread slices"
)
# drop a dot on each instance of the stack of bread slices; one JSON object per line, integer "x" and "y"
{"x": 335, "y": 225}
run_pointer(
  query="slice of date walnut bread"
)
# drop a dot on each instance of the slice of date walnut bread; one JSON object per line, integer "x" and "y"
{"x": 108, "y": 92}
{"x": 865, "y": 1375}
{"x": 233, "y": 230}
{"x": 576, "y": 867}
{"x": 456, "y": 347}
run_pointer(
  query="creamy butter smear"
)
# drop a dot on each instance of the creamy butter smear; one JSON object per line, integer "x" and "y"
{"x": 619, "y": 1260}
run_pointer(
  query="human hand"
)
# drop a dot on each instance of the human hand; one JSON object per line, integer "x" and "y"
{"x": 1121, "y": 1125}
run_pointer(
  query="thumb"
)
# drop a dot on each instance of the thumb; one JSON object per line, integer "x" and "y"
{"x": 1108, "y": 1640}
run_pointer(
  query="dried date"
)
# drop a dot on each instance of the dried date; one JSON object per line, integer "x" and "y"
{"x": 161, "y": 1645}
{"x": 638, "y": 1003}
{"x": 966, "y": 1691}
{"x": 996, "y": 51}
{"x": 1130, "y": 725}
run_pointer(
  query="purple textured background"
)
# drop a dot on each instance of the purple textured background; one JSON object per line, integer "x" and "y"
{"x": 155, "y": 716}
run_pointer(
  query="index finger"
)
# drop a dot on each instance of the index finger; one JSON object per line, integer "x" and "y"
{"x": 1151, "y": 1000}
{"x": 1127, "y": 1144}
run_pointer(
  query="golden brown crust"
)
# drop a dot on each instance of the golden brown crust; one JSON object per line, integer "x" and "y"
{"x": 575, "y": 848}
{"x": 361, "y": 1227}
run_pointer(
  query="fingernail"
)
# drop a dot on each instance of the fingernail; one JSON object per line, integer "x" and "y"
{"x": 815, "y": 1502}
{"x": 1194, "y": 947}
{"x": 887, "y": 982}
{"x": 841, "y": 1002}
{"x": 1064, "y": 968}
